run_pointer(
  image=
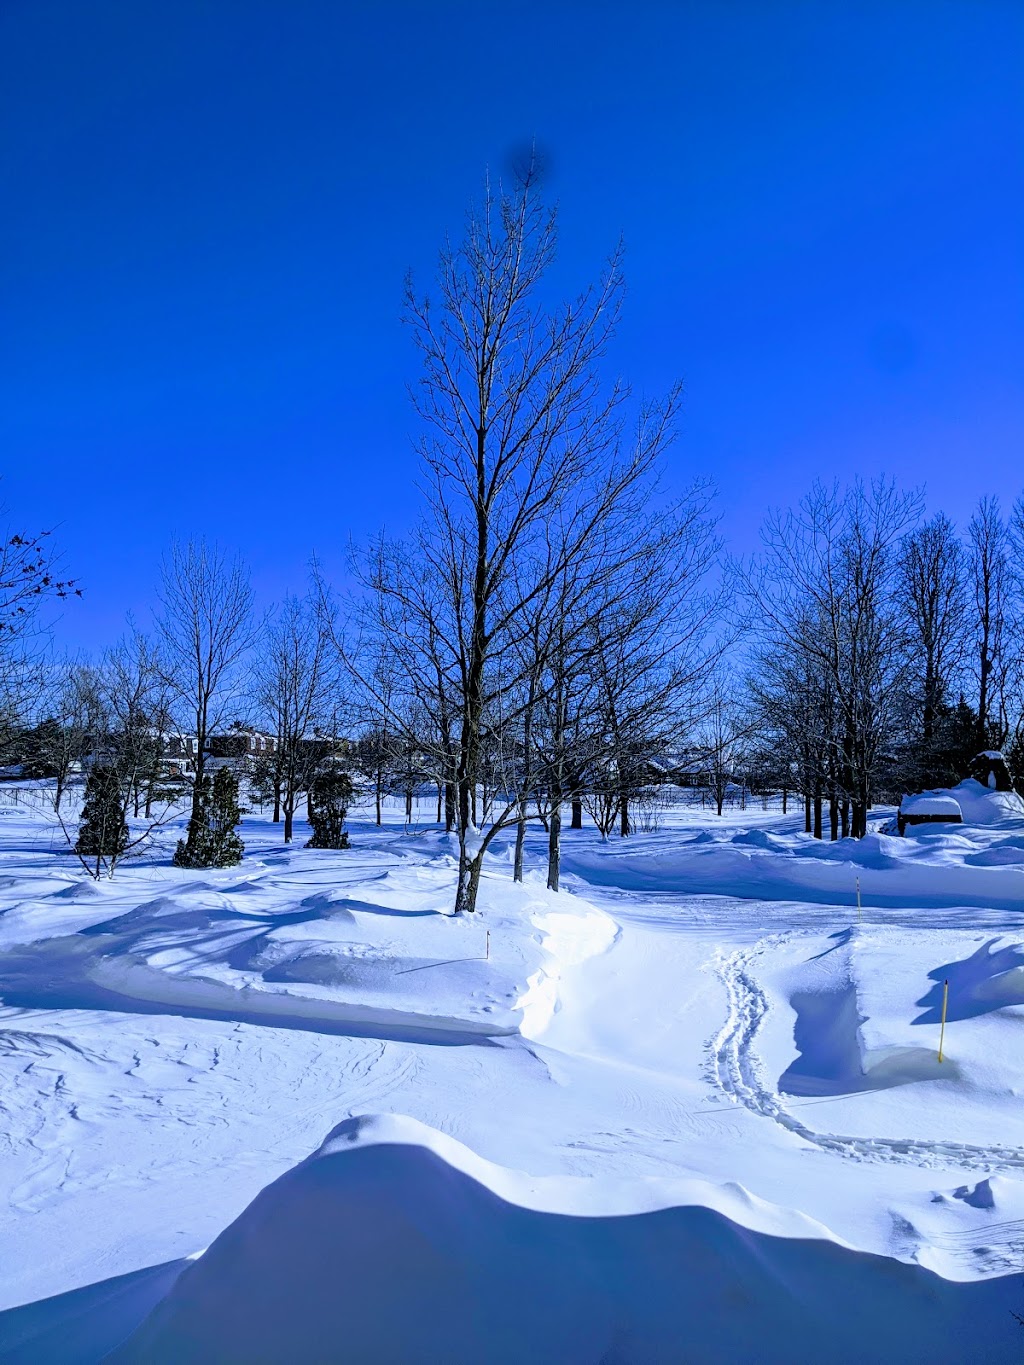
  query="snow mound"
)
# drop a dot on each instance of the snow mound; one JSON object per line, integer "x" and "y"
{"x": 395, "y": 1243}
{"x": 982, "y": 806}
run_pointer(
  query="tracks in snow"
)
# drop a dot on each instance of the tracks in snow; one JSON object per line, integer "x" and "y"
{"x": 734, "y": 1066}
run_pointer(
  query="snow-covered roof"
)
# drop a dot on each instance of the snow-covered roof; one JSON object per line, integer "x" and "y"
{"x": 991, "y": 754}
{"x": 946, "y": 806}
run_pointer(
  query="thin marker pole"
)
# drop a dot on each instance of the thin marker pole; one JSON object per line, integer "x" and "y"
{"x": 942, "y": 1031}
{"x": 487, "y": 949}
{"x": 858, "y": 900}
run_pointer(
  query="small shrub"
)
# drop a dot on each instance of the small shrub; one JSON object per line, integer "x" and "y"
{"x": 330, "y": 795}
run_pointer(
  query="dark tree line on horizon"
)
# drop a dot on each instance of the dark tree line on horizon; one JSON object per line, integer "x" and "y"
{"x": 559, "y": 634}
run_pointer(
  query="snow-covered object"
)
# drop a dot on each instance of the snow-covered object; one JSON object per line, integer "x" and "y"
{"x": 969, "y": 801}
{"x": 941, "y": 807}
{"x": 395, "y": 1243}
{"x": 929, "y": 808}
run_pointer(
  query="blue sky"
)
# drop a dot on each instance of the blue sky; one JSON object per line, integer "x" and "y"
{"x": 210, "y": 207}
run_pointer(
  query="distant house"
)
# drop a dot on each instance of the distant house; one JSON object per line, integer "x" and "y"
{"x": 180, "y": 754}
{"x": 241, "y": 745}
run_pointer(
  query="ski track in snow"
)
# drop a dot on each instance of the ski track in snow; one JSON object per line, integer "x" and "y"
{"x": 736, "y": 1069}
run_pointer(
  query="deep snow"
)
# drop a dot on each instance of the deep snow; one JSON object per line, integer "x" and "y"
{"x": 701, "y": 1021}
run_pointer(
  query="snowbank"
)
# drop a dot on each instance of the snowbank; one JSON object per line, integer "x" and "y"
{"x": 979, "y": 863}
{"x": 393, "y": 1243}
{"x": 569, "y": 938}
{"x": 982, "y": 806}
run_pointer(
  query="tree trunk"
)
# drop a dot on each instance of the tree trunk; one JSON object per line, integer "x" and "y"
{"x": 440, "y": 793}
{"x": 517, "y": 867}
{"x": 807, "y": 812}
{"x": 378, "y": 792}
{"x": 624, "y": 828}
{"x": 929, "y": 698}
{"x": 554, "y": 847}
{"x": 817, "y": 810}
{"x": 785, "y": 800}
{"x": 983, "y": 702}
{"x": 277, "y": 801}
{"x": 833, "y": 815}
{"x": 468, "y": 885}
{"x": 289, "y": 815}
{"x": 577, "y": 813}
{"x": 462, "y": 884}
{"x": 197, "y": 799}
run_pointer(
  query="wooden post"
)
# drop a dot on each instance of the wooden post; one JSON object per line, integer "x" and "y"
{"x": 942, "y": 1031}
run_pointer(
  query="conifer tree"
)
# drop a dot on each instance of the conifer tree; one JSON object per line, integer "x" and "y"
{"x": 194, "y": 849}
{"x": 103, "y": 832}
{"x": 225, "y": 816}
{"x": 212, "y": 839}
{"x": 330, "y": 795}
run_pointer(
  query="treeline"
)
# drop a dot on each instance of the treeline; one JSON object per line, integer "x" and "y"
{"x": 889, "y": 649}
{"x": 559, "y": 634}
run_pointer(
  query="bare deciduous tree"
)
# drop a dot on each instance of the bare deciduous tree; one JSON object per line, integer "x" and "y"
{"x": 933, "y": 574}
{"x": 294, "y": 684}
{"x": 206, "y": 626}
{"x": 990, "y": 546}
{"x": 519, "y": 439}
{"x": 824, "y": 595}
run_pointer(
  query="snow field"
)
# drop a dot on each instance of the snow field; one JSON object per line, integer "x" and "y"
{"x": 172, "y": 1042}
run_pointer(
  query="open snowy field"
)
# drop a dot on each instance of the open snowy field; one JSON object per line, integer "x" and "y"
{"x": 702, "y": 1024}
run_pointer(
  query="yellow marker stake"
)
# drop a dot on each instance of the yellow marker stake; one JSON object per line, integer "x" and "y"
{"x": 942, "y": 1031}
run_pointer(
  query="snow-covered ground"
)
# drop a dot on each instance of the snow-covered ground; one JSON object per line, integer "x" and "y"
{"x": 702, "y": 1021}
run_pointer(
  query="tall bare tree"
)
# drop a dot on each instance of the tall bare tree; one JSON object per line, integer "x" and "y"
{"x": 206, "y": 625}
{"x": 933, "y": 578}
{"x": 824, "y": 593}
{"x": 138, "y": 701}
{"x": 519, "y": 436}
{"x": 295, "y": 684}
{"x": 74, "y": 721}
{"x": 990, "y": 549}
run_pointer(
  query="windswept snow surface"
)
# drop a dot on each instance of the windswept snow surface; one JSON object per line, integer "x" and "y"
{"x": 503, "y": 1268}
{"x": 698, "y": 1061}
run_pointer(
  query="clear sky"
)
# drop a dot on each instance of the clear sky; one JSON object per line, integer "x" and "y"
{"x": 209, "y": 207}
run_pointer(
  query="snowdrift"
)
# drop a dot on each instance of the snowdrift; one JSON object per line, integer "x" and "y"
{"x": 979, "y": 863}
{"x": 982, "y": 806}
{"x": 394, "y": 1243}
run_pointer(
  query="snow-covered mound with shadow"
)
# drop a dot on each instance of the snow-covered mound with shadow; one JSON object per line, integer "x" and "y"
{"x": 982, "y": 806}
{"x": 395, "y": 1243}
{"x": 979, "y": 863}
